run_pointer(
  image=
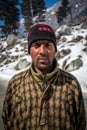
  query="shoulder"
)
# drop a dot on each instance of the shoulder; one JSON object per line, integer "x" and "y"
{"x": 19, "y": 75}
{"x": 18, "y": 78}
{"x": 67, "y": 74}
{"x": 68, "y": 78}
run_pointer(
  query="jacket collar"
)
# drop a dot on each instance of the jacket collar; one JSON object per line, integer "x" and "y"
{"x": 47, "y": 77}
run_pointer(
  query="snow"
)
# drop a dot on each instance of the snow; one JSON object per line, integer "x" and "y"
{"x": 81, "y": 75}
{"x": 76, "y": 51}
{"x": 8, "y": 70}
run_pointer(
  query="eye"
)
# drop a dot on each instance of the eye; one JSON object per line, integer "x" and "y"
{"x": 35, "y": 44}
{"x": 48, "y": 44}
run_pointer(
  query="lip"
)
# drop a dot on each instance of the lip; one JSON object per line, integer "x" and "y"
{"x": 43, "y": 59}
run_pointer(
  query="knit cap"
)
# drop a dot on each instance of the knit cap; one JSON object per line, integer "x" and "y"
{"x": 41, "y": 32}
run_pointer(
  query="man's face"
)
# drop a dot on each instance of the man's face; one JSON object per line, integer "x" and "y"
{"x": 42, "y": 53}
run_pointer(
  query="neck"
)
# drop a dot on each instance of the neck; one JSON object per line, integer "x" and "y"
{"x": 41, "y": 75}
{"x": 44, "y": 71}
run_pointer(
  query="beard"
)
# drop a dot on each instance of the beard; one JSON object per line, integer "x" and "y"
{"x": 43, "y": 65}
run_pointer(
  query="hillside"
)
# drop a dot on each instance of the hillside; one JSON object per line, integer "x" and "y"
{"x": 78, "y": 9}
{"x": 71, "y": 55}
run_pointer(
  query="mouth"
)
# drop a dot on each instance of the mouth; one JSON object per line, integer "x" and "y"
{"x": 43, "y": 59}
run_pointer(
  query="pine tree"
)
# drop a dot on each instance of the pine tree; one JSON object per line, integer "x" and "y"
{"x": 10, "y": 15}
{"x": 31, "y": 8}
{"x": 63, "y": 10}
{"x": 26, "y": 11}
{"x": 39, "y": 9}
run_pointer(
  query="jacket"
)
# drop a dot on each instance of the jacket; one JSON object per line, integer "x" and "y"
{"x": 59, "y": 106}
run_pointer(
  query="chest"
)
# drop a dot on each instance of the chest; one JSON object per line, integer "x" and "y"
{"x": 32, "y": 98}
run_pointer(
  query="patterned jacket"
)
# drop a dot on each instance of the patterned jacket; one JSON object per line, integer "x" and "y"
{"x": 59, "y": 106}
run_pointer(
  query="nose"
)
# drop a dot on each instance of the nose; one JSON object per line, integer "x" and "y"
{"x": 42, "y": 49}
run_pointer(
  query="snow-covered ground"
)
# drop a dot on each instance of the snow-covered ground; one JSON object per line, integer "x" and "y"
{"x": 76, "y": 51}
{"x": 8, "y": 70}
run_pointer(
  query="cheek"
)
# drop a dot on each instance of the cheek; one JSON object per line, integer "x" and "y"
{"x": 52, "y": 52}
{"x": 33, "y": 53}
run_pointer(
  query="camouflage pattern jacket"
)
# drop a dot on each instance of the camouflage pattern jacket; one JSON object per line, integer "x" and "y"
{"x": 59, "y": 106}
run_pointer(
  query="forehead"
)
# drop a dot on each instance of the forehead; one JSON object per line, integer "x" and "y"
{"x": 42, "y": 41}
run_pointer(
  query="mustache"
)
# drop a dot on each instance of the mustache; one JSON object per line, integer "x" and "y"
{"x": 43, "y": 56}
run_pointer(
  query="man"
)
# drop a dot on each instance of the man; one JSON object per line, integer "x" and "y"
{"x": 43, "y": 97}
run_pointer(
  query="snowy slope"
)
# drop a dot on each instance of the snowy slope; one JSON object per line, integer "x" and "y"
{"x": 8, "y": 70}
{"x": 76, "y": 51}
